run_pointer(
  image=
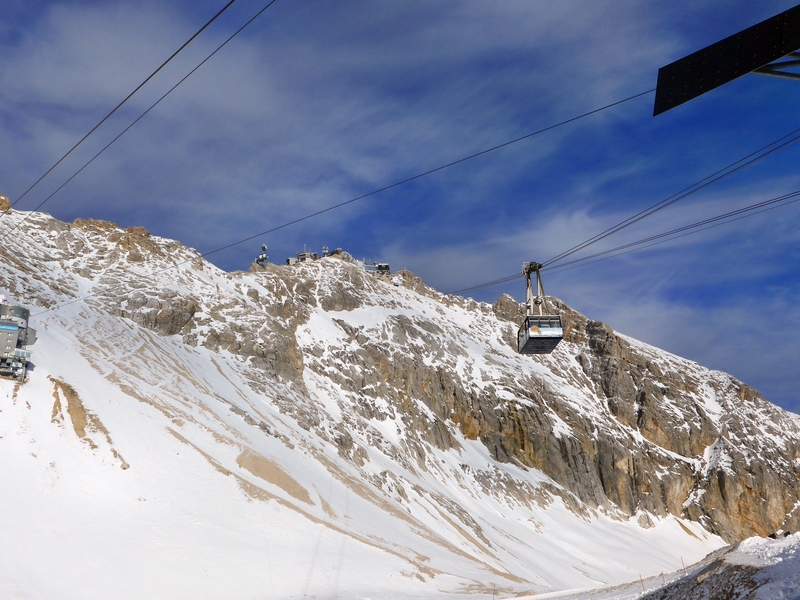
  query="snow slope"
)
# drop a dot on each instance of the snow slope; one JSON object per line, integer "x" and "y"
{"x": 755, "y": 569}
{"x": 228, "y": 456}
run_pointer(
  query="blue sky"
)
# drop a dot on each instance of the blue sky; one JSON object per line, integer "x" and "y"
{"x": 318, "y": 102}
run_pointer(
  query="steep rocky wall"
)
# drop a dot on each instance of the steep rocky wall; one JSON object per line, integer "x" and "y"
{"x": 739, "y": 480}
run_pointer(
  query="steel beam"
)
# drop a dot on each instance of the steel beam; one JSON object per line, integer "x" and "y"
{"x": 722, "y": 62}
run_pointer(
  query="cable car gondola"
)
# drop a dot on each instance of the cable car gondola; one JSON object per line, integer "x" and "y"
{"x": 540, "y": 332}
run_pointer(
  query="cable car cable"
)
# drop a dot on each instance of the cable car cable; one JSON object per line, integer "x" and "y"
{"x": 509, "y": 277}
{"x": 363, "y": 196}
{"x": 663, "y": 241}
{"x": 488, "y": 284}
{"x": 727, "y": 215}
{"x": 372, "y": 193}
{"x": 732, "y": 168}
{"x": 697, "y": 227}
{"x": 118, "y": 106}
{"x": 139, "y": 118}
{"x": 428, "y": 172}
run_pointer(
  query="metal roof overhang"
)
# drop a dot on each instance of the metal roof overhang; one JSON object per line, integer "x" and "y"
{"x": 726, "y": 60}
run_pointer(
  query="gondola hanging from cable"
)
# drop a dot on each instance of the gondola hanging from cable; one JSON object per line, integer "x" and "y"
{"x": 541, "y": 331}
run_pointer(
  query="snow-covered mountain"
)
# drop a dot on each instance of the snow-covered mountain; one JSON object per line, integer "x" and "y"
{"x": 312, "y": 431}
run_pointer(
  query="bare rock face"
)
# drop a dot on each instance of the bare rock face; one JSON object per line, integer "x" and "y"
{"x": 652, "y": 454}
{"x": 168, "y": 313}
{"x": 508, "y": 309}
{"x": 744, "y": 485}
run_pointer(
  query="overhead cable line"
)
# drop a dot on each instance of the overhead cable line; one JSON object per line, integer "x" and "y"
{"x": 139, "y": 118}
{"x": 697, "y": 227}
{"x": 488, "y": 284}
{"x": 726, "y": 171}
{"x": 793, "y": 197}
{"x": 559, "y": 269}
{"x": 429, "y": 172}
{"x": 118, "y": 106}
{"x": 730, "y": 169}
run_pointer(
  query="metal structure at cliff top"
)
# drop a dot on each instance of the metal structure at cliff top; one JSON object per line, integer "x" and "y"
{"x": 541, "y": 331}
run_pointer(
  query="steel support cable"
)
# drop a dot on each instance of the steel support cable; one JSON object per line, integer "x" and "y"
{"x": 377, "y": 191}
{"x": 730, "y": 169}
{"x": 488, "y": 284}
{"x": 697, "y": 227}
{"x": 559, "y": 268}
{"x": 428, "y": 172}
{"x": 708, "y": 221}
{"x": 118, "y": 106}
{"x": 363, "y": 196}
{"x": 139, "y": 118}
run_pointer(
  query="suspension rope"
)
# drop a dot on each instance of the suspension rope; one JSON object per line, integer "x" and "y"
{"x": 118, "y": 106}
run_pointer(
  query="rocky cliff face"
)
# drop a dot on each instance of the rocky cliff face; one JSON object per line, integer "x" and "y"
{"x": 682, "y": 440}
{"x": 390, "y": 377}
